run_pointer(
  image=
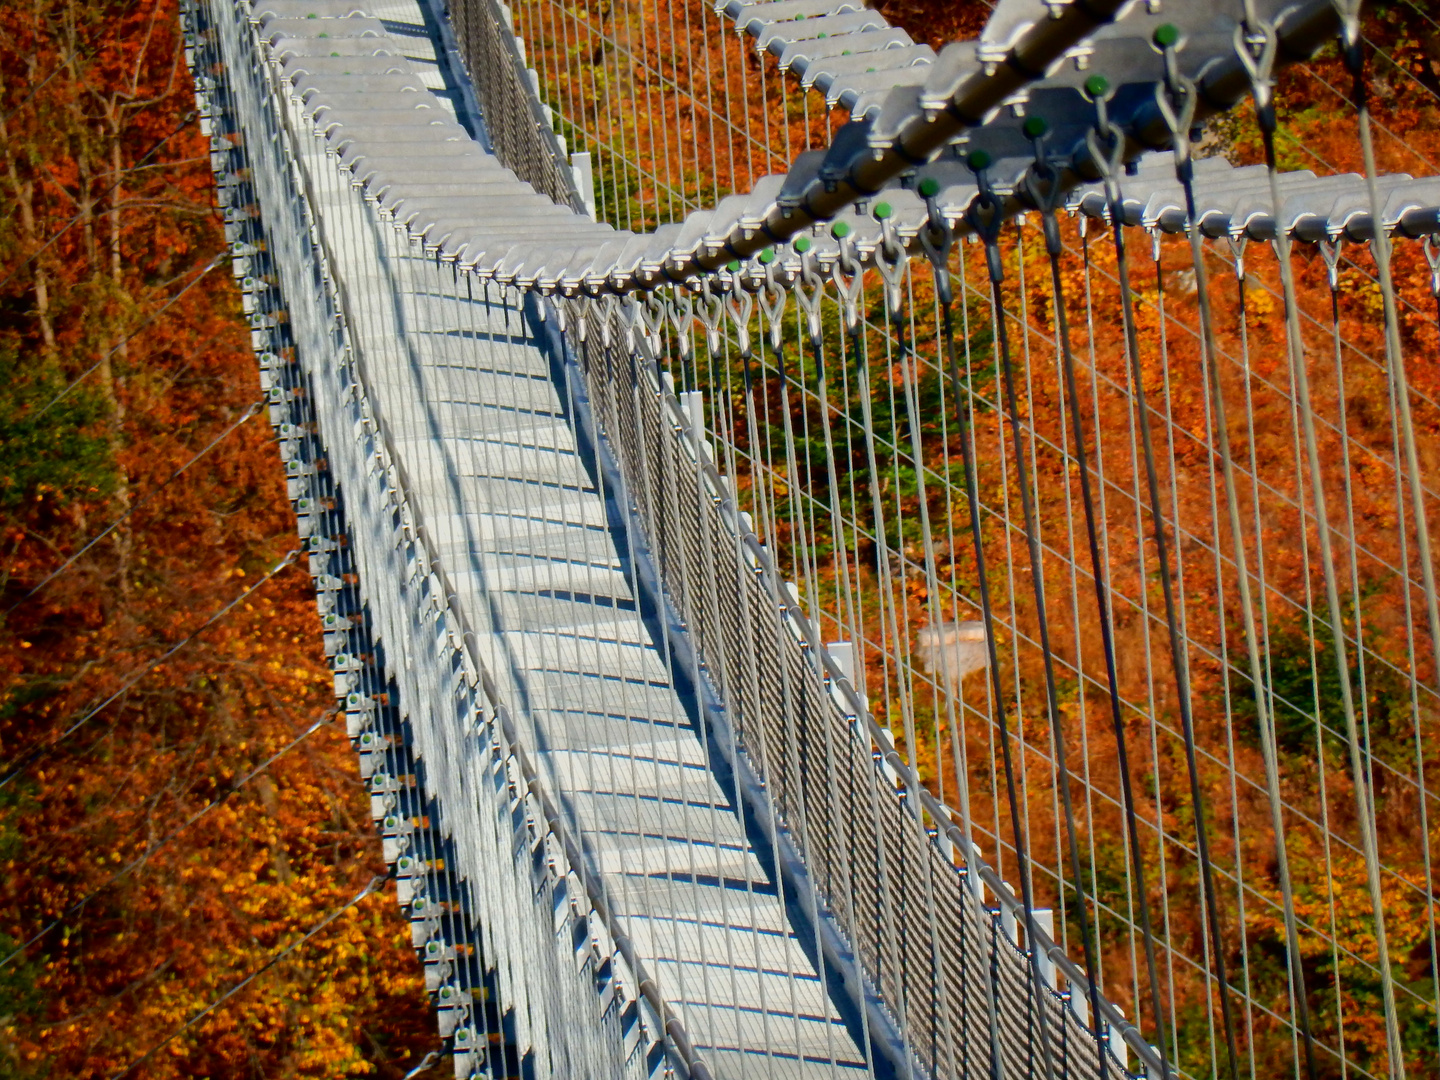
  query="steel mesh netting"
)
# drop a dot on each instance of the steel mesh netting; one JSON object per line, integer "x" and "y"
{"x": 677, "y": 111}
{"x": 515, "y": 121}
{"x": 847, "y": 454}
{"x": 930, "y": 957}
{"x": 1275, "y": 493}
{"x": 1386, "y": 624}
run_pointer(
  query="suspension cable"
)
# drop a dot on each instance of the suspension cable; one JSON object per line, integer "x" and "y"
{"x": 1046, "y": 198}
{"x": 1099, "y": 91}
{"x": 150, "y": 850}
{"x": 63, "y": 394}
{"x": 39, "y": 86}
{"x": 183, "y": 125}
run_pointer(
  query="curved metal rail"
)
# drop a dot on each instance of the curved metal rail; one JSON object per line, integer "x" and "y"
{"x": 426, "y": 175}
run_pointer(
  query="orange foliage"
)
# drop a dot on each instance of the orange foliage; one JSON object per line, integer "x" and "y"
{"x": 108, "y": 217}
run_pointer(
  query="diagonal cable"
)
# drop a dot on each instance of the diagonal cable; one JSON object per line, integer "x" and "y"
{"x": 133, "y": 333}
{"x": 38, "y": 752}
{"x": 254, "y": 408}
{"x": 375, "y": 883}
{"x": 184, "y": 123}
{"x": 145, "y": 856}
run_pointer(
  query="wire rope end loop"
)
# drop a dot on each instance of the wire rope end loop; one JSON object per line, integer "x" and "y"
{"x": 1349, "y": 12}
{"x": 1256, "y": 44}
{"x": 288, "y": 560}
{"x": 1175, "y": 96}
{"x": 680, "y": 310}
{"x": 809, "y": 290}
{"x": 710, "y": 312}
{"x": 985, "y": 214}
{"x": 937, "y": 238}
{"x": 849, "y": 277}
{"x": 890, "y": 258}
{"x": 739, "y": 304}
{"x": 771, "y": 298}
{"x": 428, "y": 1063}
{"x": 1041, "y": 183}
{"x": 1432, "y": 256}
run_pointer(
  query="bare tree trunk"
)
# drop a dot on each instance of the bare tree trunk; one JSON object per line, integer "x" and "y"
{"x": 23, "y": 192}
{"x": 124, "y": 538}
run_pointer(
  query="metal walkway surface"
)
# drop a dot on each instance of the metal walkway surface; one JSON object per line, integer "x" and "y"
{"x": 480, "y": 420}
{"x": 520, "y": 525}
{"x": 682, "y": 753}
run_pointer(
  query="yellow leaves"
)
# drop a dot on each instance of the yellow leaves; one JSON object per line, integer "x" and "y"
{"x": 1357, "y": 286}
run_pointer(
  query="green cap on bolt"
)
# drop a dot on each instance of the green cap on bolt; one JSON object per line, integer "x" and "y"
{"x": 801, "y": 244}
{"x": 840, "y": 230}
{"x": 1166, "y": 35}
{"x": 929, "y": 188}
{"x": 1097, "y": 86}
{"x": 883, "y": 210}
{"x": 767, "y": 256}
{"x": 733, "y": 266}
{"x": 978, "y": 160}
{"x": 1035, "y": 127}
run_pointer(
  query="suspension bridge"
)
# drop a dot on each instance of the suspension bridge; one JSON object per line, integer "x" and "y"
{"x": 842, "y": 558}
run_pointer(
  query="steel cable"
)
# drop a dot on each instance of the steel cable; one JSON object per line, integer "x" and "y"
{"x": 151, "y": 849}
{"x": 18, "y": 766}
{"x": 136, "y": 505}
{"x": 374, "y": 884}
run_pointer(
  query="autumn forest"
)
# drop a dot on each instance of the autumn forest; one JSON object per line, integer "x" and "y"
{"x": 177, "y": 804}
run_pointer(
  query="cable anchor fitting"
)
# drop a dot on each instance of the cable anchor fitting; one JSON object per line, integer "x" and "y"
{"x": 680, "y": 310}
{"x": 1041, "y": 183}
{"x": 1432, "y": 256}
{"x": 849, "y": 277}
{"x": 740, "y": 304}
{"x": 985, "y": 215}
{"x": 936, "y": 240}
{"x": 809, "y": 291}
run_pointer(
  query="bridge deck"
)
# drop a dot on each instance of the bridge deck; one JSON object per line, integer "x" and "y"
{"x": 476, "y": 413}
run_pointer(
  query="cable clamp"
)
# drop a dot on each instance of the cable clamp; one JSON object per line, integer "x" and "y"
{"x": 849, "y": 277}
{"x": 740, "y": 305}
{"x": 809, "y": 292}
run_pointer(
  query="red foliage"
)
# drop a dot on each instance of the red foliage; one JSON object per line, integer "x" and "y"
{"x": 108, "y": 231}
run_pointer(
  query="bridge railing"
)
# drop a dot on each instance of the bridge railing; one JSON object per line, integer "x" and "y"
{"x": 885, "y": 623}
{"x": 853, "y": 454}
